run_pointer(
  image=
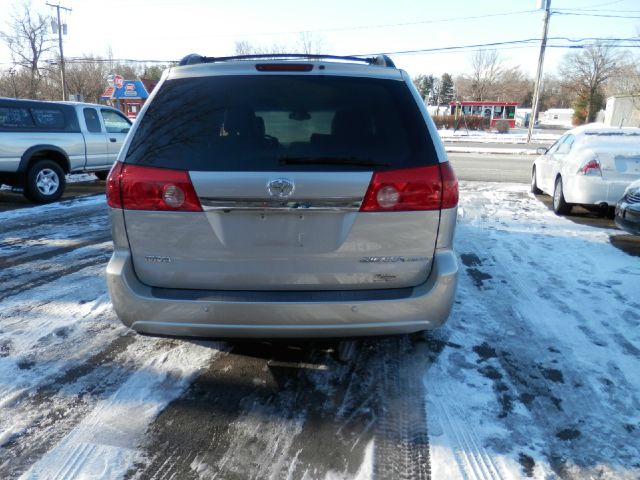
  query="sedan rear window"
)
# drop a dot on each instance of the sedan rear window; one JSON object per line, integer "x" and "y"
{"x": 282, "y": 122}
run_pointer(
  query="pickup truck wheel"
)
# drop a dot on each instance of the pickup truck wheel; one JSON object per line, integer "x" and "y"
{"x": 102, "y": 175}
{"x": 45, "y": 182}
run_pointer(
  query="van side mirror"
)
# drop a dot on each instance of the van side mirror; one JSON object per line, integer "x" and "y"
{"x": 541, "y": 150}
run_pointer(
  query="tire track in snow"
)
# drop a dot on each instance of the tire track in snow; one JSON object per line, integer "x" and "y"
{"x": 530, "y": 339}
{"x": 292, "y": 410}
{"x": 104, "y": 444}
{"x": 473, "y": 460}
{"x": 57, "y": 406}
{"x": 72, "y": 385}
{"x": 401, "y": 445}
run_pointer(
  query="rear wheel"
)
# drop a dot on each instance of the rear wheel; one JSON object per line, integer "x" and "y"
{"x": 534, "y": 183}
{"x": 45, "y": 182}
{"x": 102, "y": 175}
{"x": 560, "y": 206}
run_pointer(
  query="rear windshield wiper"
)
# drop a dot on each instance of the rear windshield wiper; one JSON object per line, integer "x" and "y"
{"x": 330, "y": 161}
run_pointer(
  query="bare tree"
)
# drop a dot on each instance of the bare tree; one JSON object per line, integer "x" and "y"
{"x": 28, "y": 42}
{"x": 243, "y": 47}
{"x": 555, "y": 93}
{"x": 513, "y": 85}
{"x": 587, "y": 71}
{"x": 625, "y": 79}
{"x": 487, "y": 68}
{"x": 14, "y": 82}
{"x": 86, "y": 77}
{"x": 310, "y": 43}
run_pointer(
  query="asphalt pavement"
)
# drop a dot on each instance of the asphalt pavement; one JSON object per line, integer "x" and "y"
{"x": 491, "y": 167}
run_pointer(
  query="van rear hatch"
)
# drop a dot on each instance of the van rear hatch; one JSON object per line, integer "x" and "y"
{"x": 293, "y": 179}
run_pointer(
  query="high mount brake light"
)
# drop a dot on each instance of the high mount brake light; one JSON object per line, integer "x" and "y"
{"x": 284, "y": 67}
{"x": 592, "y": 167}
{"x": 423, "y": 188}
{"x": 134, "y": 187}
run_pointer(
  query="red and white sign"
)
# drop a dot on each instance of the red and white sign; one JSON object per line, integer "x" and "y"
{"x": 108, "y": 92}
{"x": 118, "y": 81}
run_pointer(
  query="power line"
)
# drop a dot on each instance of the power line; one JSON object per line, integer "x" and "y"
{"x": 555, "y": 12}
{"x": 383, "y": 25}
{"x": 510, "y": 42}
{"x": 606, "y": 4}
{"x": 594, "y": 10}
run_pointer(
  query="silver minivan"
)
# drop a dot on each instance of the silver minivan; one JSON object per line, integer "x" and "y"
{"x": 283, "y": 197}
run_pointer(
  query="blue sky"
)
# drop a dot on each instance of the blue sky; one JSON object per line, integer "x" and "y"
{"x": 169, "y": 29}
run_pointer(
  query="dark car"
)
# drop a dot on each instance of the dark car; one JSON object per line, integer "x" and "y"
{"x": 628, "y": 209}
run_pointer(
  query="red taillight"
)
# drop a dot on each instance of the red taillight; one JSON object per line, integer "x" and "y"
{"x": 421, "y": 188}
{"x": 449, "y": 186}
{"x": 149, "y": 188}
{"x": 114, "y": 193}
{"x": 592, "y": 167}
{"x": 284, "y": 67}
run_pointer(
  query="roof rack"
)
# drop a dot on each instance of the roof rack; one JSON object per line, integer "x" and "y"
{"x": 380, "y": 60}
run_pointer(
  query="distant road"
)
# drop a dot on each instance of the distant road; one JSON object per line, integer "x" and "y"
{"x": 492, "y": 167}
{"x": 501, "y": 145}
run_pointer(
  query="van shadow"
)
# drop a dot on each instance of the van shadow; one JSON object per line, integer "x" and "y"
{"x": 302, "y": 406}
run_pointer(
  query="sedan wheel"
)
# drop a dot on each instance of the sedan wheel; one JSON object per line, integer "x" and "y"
{"x": 534, "y": 183}
{"x": 560, "y": 207}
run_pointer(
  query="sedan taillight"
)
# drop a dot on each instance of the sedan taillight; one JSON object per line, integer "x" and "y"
{"x": 135, "y": 187}
{"x": 592, "y": 167}
{"x": 422, "y": 188}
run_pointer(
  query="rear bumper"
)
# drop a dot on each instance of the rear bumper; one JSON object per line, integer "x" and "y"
{"x": 593, "y": 190}
{"x": 282, "y": 314}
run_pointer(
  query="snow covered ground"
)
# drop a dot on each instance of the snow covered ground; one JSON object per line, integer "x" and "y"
{"x": 540, "y": 374}
{"x": 534, "y": 376}
{"x": 71, "y": 178}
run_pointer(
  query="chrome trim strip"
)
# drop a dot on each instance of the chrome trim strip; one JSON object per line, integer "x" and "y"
{"x": 341, "y": 204}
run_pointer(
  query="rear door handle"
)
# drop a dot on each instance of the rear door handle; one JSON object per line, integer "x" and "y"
{"x": 113, "y": 140}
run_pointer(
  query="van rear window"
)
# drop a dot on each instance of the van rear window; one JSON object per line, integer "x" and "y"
{"x": 282, "y": 122}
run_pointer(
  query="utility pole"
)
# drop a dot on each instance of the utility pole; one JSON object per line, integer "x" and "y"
{"x": 536, "y": 90}
{"x": 64, "y": 80}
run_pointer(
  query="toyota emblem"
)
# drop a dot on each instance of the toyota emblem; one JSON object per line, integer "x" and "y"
{"x": 280, "y": 188}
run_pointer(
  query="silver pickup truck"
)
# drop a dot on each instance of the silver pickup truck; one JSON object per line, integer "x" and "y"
{"x": 41, "y": 142}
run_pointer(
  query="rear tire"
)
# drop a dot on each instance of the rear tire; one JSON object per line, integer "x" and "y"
{"x": 534, "y": 183}
{"x": 45, "y": 182}
{"x": 560, "y": 206}
{"x": 102, "y": 175}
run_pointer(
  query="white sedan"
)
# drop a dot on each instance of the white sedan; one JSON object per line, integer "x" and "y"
{"x": 589, "y": 166}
